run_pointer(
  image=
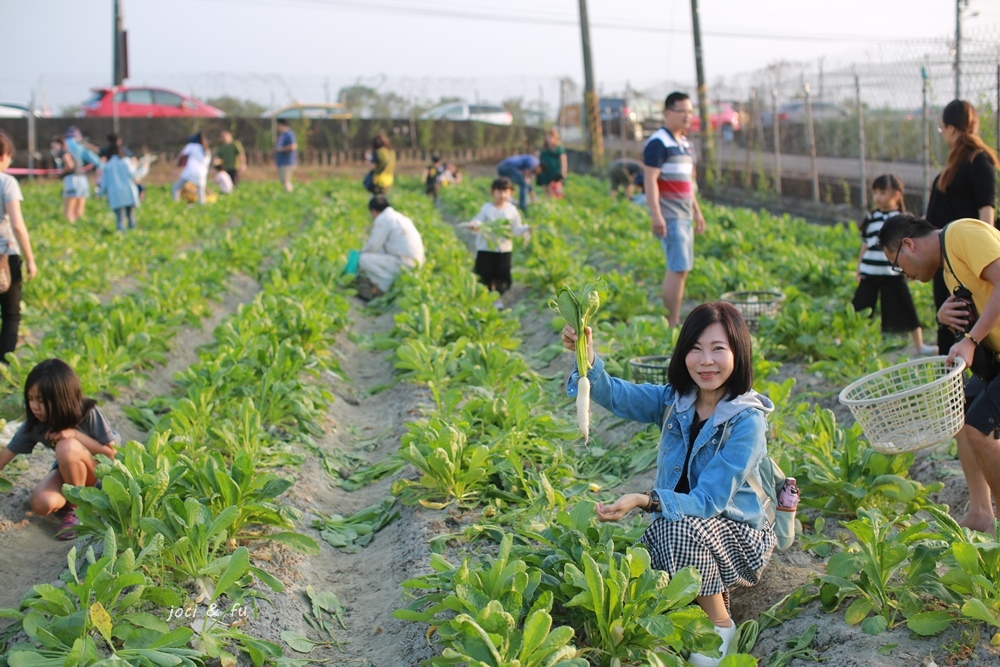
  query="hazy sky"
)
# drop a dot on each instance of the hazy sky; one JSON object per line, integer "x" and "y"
{"x": 278, "y": 49}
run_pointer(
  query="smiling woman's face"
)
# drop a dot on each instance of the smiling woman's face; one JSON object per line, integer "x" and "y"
{"x": 710, "y": 362}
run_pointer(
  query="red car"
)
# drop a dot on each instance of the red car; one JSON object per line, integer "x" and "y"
{"x": 724, "y": 116}
{"x": 146, "y": 103}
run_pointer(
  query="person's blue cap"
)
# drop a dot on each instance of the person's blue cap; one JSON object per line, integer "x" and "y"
{"x": 73, "y": 132}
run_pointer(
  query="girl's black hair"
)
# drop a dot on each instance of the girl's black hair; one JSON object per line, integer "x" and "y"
{"x": 702, "y": 317}
{"x": 115, "y": 146}
{"x": 891, "y": 183}
{"x": 962, "y": 116}
{"x": 59, "y": 388}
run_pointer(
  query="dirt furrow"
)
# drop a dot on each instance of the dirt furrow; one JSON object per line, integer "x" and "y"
{"x": 367, "y": 583}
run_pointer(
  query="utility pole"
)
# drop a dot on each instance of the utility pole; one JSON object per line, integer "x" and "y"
{"x": 119, "y": 66}
{"x": 591, "y": 108}
{"x": 958, "y": 47}
{"x": 706, "y": 125}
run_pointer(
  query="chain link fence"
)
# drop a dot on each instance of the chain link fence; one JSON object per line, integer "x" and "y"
{"x": 845, "y": 121}
{"x": 868, "y": 112}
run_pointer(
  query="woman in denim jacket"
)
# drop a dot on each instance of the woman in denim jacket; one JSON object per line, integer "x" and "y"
{"x": 704, "y": 513}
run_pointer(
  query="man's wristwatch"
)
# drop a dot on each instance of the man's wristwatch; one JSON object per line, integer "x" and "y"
{"x": 654, "y": 501}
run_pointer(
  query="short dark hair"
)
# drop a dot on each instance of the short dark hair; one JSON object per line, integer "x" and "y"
{"x": 675, "y": 97}
{"x": 6, "y": 145}
{"x": 702, "y": 317}
{"x": 502, "y": 183}
{"x": 378, "y": 203}
{"x": 283, "y": 121}
{"x": 903, "y": 226}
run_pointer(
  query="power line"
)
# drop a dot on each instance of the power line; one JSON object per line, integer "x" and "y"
{"x": 429, "y": 11}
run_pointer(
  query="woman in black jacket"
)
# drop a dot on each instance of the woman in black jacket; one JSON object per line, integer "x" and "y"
{"x": 965, "y": 188}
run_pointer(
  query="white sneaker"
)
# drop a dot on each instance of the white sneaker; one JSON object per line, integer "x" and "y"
{"x": 928, "y": 350}
{"x": 727, "y": 634}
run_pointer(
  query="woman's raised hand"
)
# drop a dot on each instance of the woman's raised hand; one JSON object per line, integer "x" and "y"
{"x": 569, "y": 338}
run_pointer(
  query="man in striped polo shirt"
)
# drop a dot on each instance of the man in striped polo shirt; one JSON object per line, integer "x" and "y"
{"x": 670, "y": 184}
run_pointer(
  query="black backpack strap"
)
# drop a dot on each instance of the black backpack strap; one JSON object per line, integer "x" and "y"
{"x": 944, "y": 253}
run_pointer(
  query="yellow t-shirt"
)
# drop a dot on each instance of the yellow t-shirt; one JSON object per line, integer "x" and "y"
{"x": 972, "y": 245}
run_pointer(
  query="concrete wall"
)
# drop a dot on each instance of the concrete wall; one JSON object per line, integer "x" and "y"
{"x": 320, "y": 141}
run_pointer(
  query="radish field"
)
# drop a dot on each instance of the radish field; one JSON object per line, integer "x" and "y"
{"x": 310, "y": 479}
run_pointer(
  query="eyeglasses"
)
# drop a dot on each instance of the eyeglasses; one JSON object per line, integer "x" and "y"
{"x": 895, "y": 262}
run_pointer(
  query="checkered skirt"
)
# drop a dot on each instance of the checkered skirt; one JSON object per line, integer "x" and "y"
{"x": 726, "y": 552}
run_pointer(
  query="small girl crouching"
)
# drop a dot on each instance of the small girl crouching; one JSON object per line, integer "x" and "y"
{"x": 58, "y": 416}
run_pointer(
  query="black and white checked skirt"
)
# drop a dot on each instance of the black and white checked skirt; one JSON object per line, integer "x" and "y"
{"x": 727, "y": 553}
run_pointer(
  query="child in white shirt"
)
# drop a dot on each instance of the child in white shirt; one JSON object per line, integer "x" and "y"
{"x": 223, "y": 179}
{"x": 496, "y": 225}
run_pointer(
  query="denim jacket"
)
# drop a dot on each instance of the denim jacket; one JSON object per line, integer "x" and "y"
{"x": 717, "y": 473}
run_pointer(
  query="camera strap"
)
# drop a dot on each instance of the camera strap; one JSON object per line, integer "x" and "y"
{"x": 982, "y": 347}
{"x": 944, "y": 253}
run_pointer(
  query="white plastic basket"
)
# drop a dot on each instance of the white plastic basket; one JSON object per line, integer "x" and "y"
{"x": 909, "y": 406}
{"x": 754, "y": 305}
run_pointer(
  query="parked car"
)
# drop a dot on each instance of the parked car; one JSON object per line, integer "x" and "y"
{"x": 483, "y": 113}
{"x": 720, "y": 116}
{"x": 334, "y": 111}
{"x": 795, "y": 113}
{"x": 11, "y": 110}
{"x": 142, "y": 102}
{"x": 638, "y": 113}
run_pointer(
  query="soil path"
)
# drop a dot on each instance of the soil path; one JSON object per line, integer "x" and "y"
{"x": 368, "y": 583}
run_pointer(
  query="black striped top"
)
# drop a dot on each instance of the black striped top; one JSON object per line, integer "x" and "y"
{"x": 874, "y": 262}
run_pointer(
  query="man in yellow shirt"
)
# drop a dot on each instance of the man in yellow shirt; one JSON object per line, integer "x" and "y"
{"x": 969, "y": 252}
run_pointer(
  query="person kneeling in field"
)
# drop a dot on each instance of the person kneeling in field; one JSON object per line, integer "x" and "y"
{"x": 58, "y": 415}
{"x": 968, "y": 250}
{"x": 394, "y": 244}
{"x": 704, "y": 511}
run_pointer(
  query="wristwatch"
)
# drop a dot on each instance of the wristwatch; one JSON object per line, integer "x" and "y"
{"x": 654, "y": 501}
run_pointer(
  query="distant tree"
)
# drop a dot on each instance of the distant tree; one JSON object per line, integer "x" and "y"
{"x": 359, "y": 99}
{"x": 367, "y": 102}
{"x": 391, "y": 105}
{"x": 515, "y": 105}
{"x": 69, "y": 110}
{"x": 236, "y": 107}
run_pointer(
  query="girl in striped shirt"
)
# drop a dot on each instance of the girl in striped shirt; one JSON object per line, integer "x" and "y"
{"x": 881, "y": 280}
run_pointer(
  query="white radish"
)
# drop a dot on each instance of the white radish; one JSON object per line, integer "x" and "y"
{"x": 583, "y": 407}
{"x": 578, "y": 312}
